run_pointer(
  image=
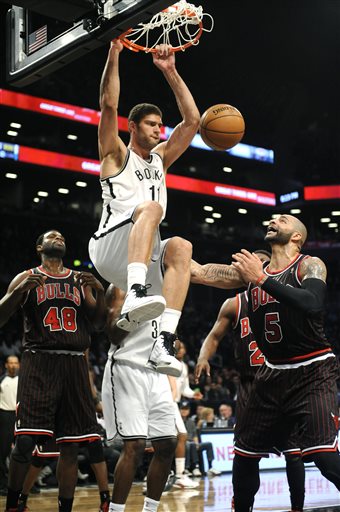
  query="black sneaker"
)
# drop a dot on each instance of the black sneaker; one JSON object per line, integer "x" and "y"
{"x": 162, "y": 356}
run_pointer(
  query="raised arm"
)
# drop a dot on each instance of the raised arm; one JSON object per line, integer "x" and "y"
{"x": 226, "y": 317}
{"x": 112, "y": 149}
{"x": 21, "y": 284}
{"x": 309, "y": 299}
{"x": 184, "y": 132}
{"x": 114, "y": 299}
{"x": 216, "y": 275}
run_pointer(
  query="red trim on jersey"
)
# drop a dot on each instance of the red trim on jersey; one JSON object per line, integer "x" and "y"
{"x": 307, "y": 452}
{"x": 270, "y": 273}
{"x": 33, "y": 433}
{"x": 301, "y": 358}
{"x": 238, "y": 310}
{"x": 80, "y": 439}
{"x": 44, "y": 271}
{"x": 250, "y": 455}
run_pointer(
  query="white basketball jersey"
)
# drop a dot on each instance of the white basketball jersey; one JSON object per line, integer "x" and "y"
{"x": 138, "y": 180}
{"x": 136, "y": 346}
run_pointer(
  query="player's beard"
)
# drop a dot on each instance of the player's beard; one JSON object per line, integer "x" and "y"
{"x": 52, "y": 251}
{"x": 279, "y": 238}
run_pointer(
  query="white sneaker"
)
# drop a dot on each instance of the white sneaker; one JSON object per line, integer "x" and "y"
{"x": 139, "y": 307}
{"x": 196, "y": 472}
{"x": 214, "y": 472}
{"x": 184, "y": 482}
{"x": 82, "y": 476}
{"x": 162, "y": 356}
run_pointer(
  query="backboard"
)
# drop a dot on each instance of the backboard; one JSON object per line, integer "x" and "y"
{"x": 38, "y": 44}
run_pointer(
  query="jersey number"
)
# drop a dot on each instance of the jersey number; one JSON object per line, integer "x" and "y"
{"x": 57, "y": 320}
{"x": 256, "y": 356}
{"x": 154, "y": 332}
{"x": 273, "y": 332}
{"x": 155, "y": 193}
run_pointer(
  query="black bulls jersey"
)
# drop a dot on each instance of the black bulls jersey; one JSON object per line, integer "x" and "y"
{"x": 247, "y": 355}
{"x": 285, "y": 335}
{"x": 54, "y": 316}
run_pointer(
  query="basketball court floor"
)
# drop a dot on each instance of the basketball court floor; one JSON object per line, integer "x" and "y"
{"x": 213, "y": 494}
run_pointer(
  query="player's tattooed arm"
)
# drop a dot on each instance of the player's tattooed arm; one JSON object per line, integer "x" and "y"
{"x": 114, "y": 299}
{"x": 216, "y": 275}
{"x": 313, "y": 268}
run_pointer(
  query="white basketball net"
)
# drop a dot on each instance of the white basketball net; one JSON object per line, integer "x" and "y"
{"x": 180, "y": 25}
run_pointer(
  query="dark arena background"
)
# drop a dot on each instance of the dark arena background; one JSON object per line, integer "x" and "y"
{"x": 278, "y": 63}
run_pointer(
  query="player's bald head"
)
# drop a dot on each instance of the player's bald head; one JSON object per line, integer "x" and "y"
{"x": 299, "y": 227}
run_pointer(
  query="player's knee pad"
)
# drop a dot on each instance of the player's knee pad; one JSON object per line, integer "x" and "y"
{"x": 37, "y": 462}
{"x": 292, "y": 459}
{"x": 96, "y": 452}
{"x": 329, "y": 465}
{"x": 23, "y": 448}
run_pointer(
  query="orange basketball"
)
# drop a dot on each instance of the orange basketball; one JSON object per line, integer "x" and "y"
{"x": 222, "y": 126}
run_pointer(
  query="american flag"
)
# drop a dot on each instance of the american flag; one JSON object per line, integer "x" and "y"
{"x": 37, "y": 39}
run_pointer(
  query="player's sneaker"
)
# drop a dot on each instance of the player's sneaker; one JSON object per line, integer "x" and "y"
{"x": 214, "y": 472}
{"x": 162, "y": 356}
{"x": 184, "y": 482}
{"x": 104, "y": 507}
{"x": 139, "y": 307}
{"x": 232, "y": 509}
{"x": 196, "y": 472}
{"x": 170, "y": 481}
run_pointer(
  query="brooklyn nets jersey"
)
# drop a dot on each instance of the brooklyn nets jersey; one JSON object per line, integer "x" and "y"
{"x": 54, "y": 316}
{"x": 247, "y": 355}
{"x": 285, "y": 334}
{"x": 138, "y": 180}
{"x": 136, "y": 346}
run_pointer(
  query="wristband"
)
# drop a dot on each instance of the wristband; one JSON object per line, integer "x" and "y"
{"x": 261, "y": 280}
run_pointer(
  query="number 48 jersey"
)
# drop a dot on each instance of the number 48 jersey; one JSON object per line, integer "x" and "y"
{"x": 54, "y": 314}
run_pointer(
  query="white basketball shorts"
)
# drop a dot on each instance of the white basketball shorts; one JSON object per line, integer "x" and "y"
{"x": 137, "y": 403}
{"x": 108, "y": 249}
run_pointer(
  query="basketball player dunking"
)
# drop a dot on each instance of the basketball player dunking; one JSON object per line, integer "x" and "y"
{"x": 233, "y": 317}
{"x": 297, "y": 384}
{"x": 127, "y": 243}
{"x": 54, "y": 395}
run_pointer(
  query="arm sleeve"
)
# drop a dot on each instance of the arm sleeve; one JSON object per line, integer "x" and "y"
{"x": 310, "y": 298}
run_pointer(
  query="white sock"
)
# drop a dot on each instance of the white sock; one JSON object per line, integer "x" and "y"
{"x": 116, "y": 507}
{"x": 169, "y": 320}
{"x": 180, "y": 466}
{"x": 150, "y": 505}
{"x": 136, "y": 274}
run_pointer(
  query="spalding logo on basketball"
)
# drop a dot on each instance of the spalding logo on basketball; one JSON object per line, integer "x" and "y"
{"x": 222, "y": 126}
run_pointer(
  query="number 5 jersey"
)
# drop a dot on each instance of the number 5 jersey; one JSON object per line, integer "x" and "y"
{"x": 286, "y": 336}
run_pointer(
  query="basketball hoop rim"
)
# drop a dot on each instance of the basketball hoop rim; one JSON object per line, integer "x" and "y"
{"x": 139, "y": 48}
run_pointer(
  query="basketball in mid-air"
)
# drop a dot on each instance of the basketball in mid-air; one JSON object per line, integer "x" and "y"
{"x": 222, "y": 126}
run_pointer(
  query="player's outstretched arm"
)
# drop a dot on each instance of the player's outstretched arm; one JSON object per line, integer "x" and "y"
{"x": 216, "y": 275}
{"x": 184, "y": 132}
{"x": 109, "y": 142}
{"x": 20, "y": 285}
{"x": 223, "y": 324}
{"x": 310, "y": 298}
{"x": 114, "y": 299}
